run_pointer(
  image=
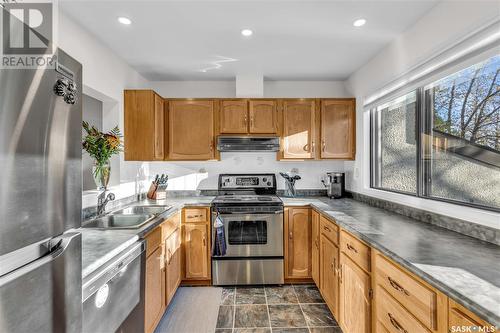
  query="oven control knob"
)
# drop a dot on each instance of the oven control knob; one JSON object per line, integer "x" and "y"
{"x": 264, "y": 179}
{"x": 268, "y": 183}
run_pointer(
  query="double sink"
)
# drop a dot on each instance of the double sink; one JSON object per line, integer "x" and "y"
{"x": 132, "y": 217}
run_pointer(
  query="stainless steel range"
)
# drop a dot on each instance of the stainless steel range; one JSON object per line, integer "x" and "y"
{"x": 252, "y": 217}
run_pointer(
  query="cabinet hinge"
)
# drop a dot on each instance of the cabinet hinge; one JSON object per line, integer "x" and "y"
{"x": 370, "y": 293}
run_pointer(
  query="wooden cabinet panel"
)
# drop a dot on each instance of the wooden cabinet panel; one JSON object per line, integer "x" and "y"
{"x": 329, "y": 279}
{"x": 356, "y": 250}
{"x": 393, "y": 316}
{"x": 354, "y": 302}
{"x": 144, "y": 121}
{"x": 315, "y": 255}
{"x": 338, "y": 129}
{"x": 263, "y": 117}
{"x": 153, "y": 241}
{"x": 196, "y": 251}
{"x": 233, "y": 117}
{"x": 191, "y": 130}
{"x": 329, "y": 229}
{"x": 154, "y": 301}
{"x": 298, "y": 130}
{"x": 173, "y": 265}
{"x": 159, "y": 134}
{"x": 459, "y": 317}
{"x": 298, "y": 243}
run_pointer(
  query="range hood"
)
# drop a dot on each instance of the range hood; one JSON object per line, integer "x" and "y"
{"x": 248, "y": 143}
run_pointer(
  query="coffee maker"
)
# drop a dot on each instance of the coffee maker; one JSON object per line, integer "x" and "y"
{"x": 335, "y": 184}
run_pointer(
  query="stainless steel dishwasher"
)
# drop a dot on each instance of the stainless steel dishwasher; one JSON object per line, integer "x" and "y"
{"x": 113, "y": 296}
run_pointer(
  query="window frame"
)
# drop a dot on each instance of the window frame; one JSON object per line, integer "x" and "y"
{"x": 423, "y": 124}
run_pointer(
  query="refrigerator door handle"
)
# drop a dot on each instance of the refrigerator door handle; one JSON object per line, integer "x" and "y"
{"x": 50, "y": 286}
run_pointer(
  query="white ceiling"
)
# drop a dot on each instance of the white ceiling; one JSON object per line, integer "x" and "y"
{"x": 293, "y": 40}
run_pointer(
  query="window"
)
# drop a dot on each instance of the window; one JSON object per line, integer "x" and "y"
{"x": 456, "y": 154}
{"x": 395, "y": 145}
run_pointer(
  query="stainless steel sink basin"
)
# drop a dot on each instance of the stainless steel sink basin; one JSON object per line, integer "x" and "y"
{"x": 142, "y": 210}
{"x": 129, "y": 221}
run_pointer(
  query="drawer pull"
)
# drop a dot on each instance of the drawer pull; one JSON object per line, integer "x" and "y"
{"x": 352, "y": 248}
{"x": 193, "y": 216}
{"x": 327, "y": 229}
{"x": 395, "y": 323}
{"x": 397, "y": 286}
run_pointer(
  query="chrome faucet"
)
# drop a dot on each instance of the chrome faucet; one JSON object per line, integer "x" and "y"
{"x": 290, "y": 184}
{"x": 102, "y": 201}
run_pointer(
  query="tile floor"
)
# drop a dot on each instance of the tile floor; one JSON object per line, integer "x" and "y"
{"x": 283, "y": 309}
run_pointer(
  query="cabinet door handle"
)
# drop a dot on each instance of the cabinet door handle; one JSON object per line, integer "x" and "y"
{"x": 169, "y": 253}
{"x": 327, "y": 229}
{"x": 212, "y": 145}
{"x": 340, "y": 273}
{"x": 204, "y": 241}
{"x": 352, "y": 248}
{"x": 323, "y": 145}
{"x": 397, "y": 286}
{"x": 334, "y": 268}
{"x": 312, "y": 147}
{"x": 396, "y": 324}
{"x": 290, "y": 235}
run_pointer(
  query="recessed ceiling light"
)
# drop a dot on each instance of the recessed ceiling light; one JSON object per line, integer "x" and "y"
{"x": 247, "y": 32}
{"x": 359, "y": 23}
{"x": 124, "y": 20}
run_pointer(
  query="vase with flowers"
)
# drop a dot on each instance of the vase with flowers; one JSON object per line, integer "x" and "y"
{"x": 101, "y": 146}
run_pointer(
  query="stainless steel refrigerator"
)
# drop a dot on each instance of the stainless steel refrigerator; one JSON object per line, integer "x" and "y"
{"x": 40, "y": 198}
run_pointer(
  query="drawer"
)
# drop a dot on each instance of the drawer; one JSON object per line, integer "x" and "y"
{"x": 170, "y": 225}
{"x": 355, "y": 249}
{"x": 153, "y": 240}
{"x": 172, "y": 244}
{"x": 393, "y": 316}
{"x": 329, "y": 229}
{"x": 196, "y": 215}
{"x": 417, "y": 298}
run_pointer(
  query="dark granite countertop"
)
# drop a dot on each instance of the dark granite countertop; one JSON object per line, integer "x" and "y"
{"x": 462, "y": 267}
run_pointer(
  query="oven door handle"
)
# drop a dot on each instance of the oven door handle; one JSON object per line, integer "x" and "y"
{"x": 250, "y": 213}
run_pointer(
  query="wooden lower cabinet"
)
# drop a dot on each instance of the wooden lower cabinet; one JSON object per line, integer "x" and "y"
{"x": 298, "y": 243}
{"x": 172, "y": 265}
{"x": 154, "y": 300}
{"x": 329, "y": 280}
{"x": 355, "y": 297}
{"x": 196, "y": 248}
{"x": 461, "y": 320}
{"x": 315, "y": 252}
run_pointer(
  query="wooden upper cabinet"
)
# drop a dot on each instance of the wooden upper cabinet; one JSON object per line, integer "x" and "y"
{"x": 298, "y": 243}
{"x": 159, "y": 134}
{"x": 338, "y": 128}
{"x": 190, "y": 130}
{"x": 298, "y": 129}
{"x": 144, "y": 118}
{"x": 233, "y": 117}
{"x": 354, "y": 301}
{"x": 263, "y": 117}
